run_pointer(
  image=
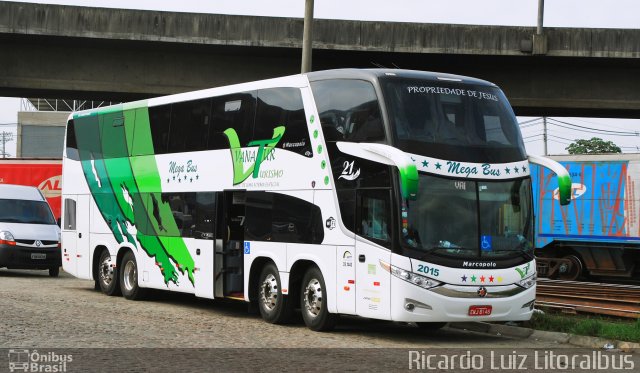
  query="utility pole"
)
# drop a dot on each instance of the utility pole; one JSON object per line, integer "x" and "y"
{"x": 4, "y": 138}
{"x": 306, "y": 37}
{"x": 544, "y": 134}
{"x": 540, "y": 17}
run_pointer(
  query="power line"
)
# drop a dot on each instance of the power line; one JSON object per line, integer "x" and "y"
{"x": 595, "y": 132}
{"x": 621, "y": 133}
{"x": 529, "y": 121}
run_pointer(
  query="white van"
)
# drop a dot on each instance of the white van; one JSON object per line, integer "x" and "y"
{"x": 29, "y": 235}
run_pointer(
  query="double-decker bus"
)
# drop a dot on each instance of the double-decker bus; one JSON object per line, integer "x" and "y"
{"x": 388, "y": 194}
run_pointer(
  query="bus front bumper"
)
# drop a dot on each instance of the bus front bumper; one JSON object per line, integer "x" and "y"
{"x": 416, "y": 304}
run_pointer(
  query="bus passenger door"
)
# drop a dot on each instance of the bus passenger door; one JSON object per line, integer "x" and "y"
{"x": 69, "y": 234}
{"x": 76, "y": 256}
{"x": 204, "y": 236}
{"x": 83, "y": 244}
{"x": 373, "y": 282}
{"x": 229, "y": 258}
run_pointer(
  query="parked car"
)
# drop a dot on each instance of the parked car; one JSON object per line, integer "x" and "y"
{"x": 29, "y": 234}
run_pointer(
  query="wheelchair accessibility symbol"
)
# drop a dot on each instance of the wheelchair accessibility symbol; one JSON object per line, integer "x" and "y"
{"x": 485, "y": 243}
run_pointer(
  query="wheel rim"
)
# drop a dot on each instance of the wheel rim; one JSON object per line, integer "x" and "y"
{"x": 106, "y": 270}
{"x": 269, "y": 292}
{"x": 313, "y": 298}
{"x": 130, "y": 275}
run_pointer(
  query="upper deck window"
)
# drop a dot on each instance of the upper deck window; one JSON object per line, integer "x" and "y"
{"x": 349, "y": 110}
{"x": 458, "y": 121}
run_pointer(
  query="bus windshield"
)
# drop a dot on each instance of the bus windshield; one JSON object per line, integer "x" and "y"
{"x": 459, "y": 122}
{"x": 470, "y": 219}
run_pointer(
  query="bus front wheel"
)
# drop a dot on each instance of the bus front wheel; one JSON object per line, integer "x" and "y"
{"x": 313, "y": 302}
{"x": 274, "y": 307}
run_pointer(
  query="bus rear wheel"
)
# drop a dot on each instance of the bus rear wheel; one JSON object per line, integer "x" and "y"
{"x": 313, "y": 302}
{"x": 129, "y": 278}
{"x": 274, "y": 307}
{"x": 108, "y": 274}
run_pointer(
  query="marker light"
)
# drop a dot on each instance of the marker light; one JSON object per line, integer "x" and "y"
{"x": 528, "y": 282}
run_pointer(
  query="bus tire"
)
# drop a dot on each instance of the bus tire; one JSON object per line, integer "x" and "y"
{"x": 54, "y": 271}
{"x": 129, "y": 278}
{"x": 108, "y": 274}
{"x": 274, "y": 307}
{"x": 431, "y": 325}
{"x": 313, "y": 302}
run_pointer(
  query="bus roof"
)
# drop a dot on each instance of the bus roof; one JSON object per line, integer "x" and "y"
{"x": 372, "y": 74}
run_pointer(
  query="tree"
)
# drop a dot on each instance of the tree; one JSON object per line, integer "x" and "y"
{"x": 594, "y": 146}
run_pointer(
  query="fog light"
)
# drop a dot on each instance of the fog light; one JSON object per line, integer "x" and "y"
{"x": 409, "y": 307}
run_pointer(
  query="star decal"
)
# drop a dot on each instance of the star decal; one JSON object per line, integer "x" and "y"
{"x": 438, "y": 166}
{"x": 516, "y": 169}
{"x": 473, "y": 278}
{"x": 179, "y": 180}
{"x": 197, "y": 177}
{"x": 168, "y": 180}
{"x": 481, "y": 278}
{"x": 508, "y": 170}
{"x": 191, "y": 180}
{"x": 174, "y": 177}
{"x": 524, "y": 169}
{"x": 425, "y": 164}
{"x": 185, "y": 177}
{"x": 490, "y": 278}
{"x": 464, "y": 278}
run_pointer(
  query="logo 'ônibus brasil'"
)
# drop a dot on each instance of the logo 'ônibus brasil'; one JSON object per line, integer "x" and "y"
{"x": 264, "y": 149}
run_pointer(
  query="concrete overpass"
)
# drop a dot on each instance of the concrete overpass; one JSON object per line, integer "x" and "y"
{"x": 115, "y": 54}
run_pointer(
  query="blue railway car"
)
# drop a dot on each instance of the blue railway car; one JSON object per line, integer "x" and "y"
{"x": 598, "y": 234}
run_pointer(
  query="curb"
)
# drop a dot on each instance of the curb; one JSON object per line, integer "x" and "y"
{"x": 525, "y": 333}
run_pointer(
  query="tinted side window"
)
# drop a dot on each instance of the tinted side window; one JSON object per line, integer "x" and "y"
{"x": 281, "y": 218}
{"x": 283, "y": 107}
{"x": 235, "y": 111}
{"x": 72, "y": 145}
{"x": 189, "y": 126}
{"x": 193, "y": 213}
{"x": 88, "y": 136}
{"x": 113, "y": 135}
{"x": 374, "y": 211}
{"x": 69, "y": 214}
{"x": 348, "y": 110}
{"x": 160, "y": 121}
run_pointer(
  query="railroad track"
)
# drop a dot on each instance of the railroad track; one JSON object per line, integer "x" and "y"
{"x": 589, "y": 297}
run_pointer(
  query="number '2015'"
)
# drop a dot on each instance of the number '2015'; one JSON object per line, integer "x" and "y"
{"x": 428, "y": 270}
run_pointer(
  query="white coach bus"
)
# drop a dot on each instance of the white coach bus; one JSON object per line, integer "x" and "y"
{"x": 388, "y": 194}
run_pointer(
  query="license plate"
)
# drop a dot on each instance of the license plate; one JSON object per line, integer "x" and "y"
{"x": 38, "y": 256}
{"x": 480, "y": 310}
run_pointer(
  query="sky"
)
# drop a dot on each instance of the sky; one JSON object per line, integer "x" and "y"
{"x": 558, "y": 13}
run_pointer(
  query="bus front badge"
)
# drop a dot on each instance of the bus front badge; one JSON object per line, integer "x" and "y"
{"x": 482, "y": 292}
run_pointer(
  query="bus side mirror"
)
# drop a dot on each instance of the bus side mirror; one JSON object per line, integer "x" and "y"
{"x": 563, "y": 177}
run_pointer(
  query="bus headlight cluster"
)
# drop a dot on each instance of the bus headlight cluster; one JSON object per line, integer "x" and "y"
{"x": 528, "y": 282}
{"x": 422, "y": 281}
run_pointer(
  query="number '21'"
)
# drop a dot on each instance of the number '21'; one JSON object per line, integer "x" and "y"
{"x": 430, "y": 271}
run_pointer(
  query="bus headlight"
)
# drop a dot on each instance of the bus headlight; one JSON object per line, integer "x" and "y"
{"x": 528, "y": 282}
{"x": 6, "y": 238}
{"x": 422, "y": 281}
